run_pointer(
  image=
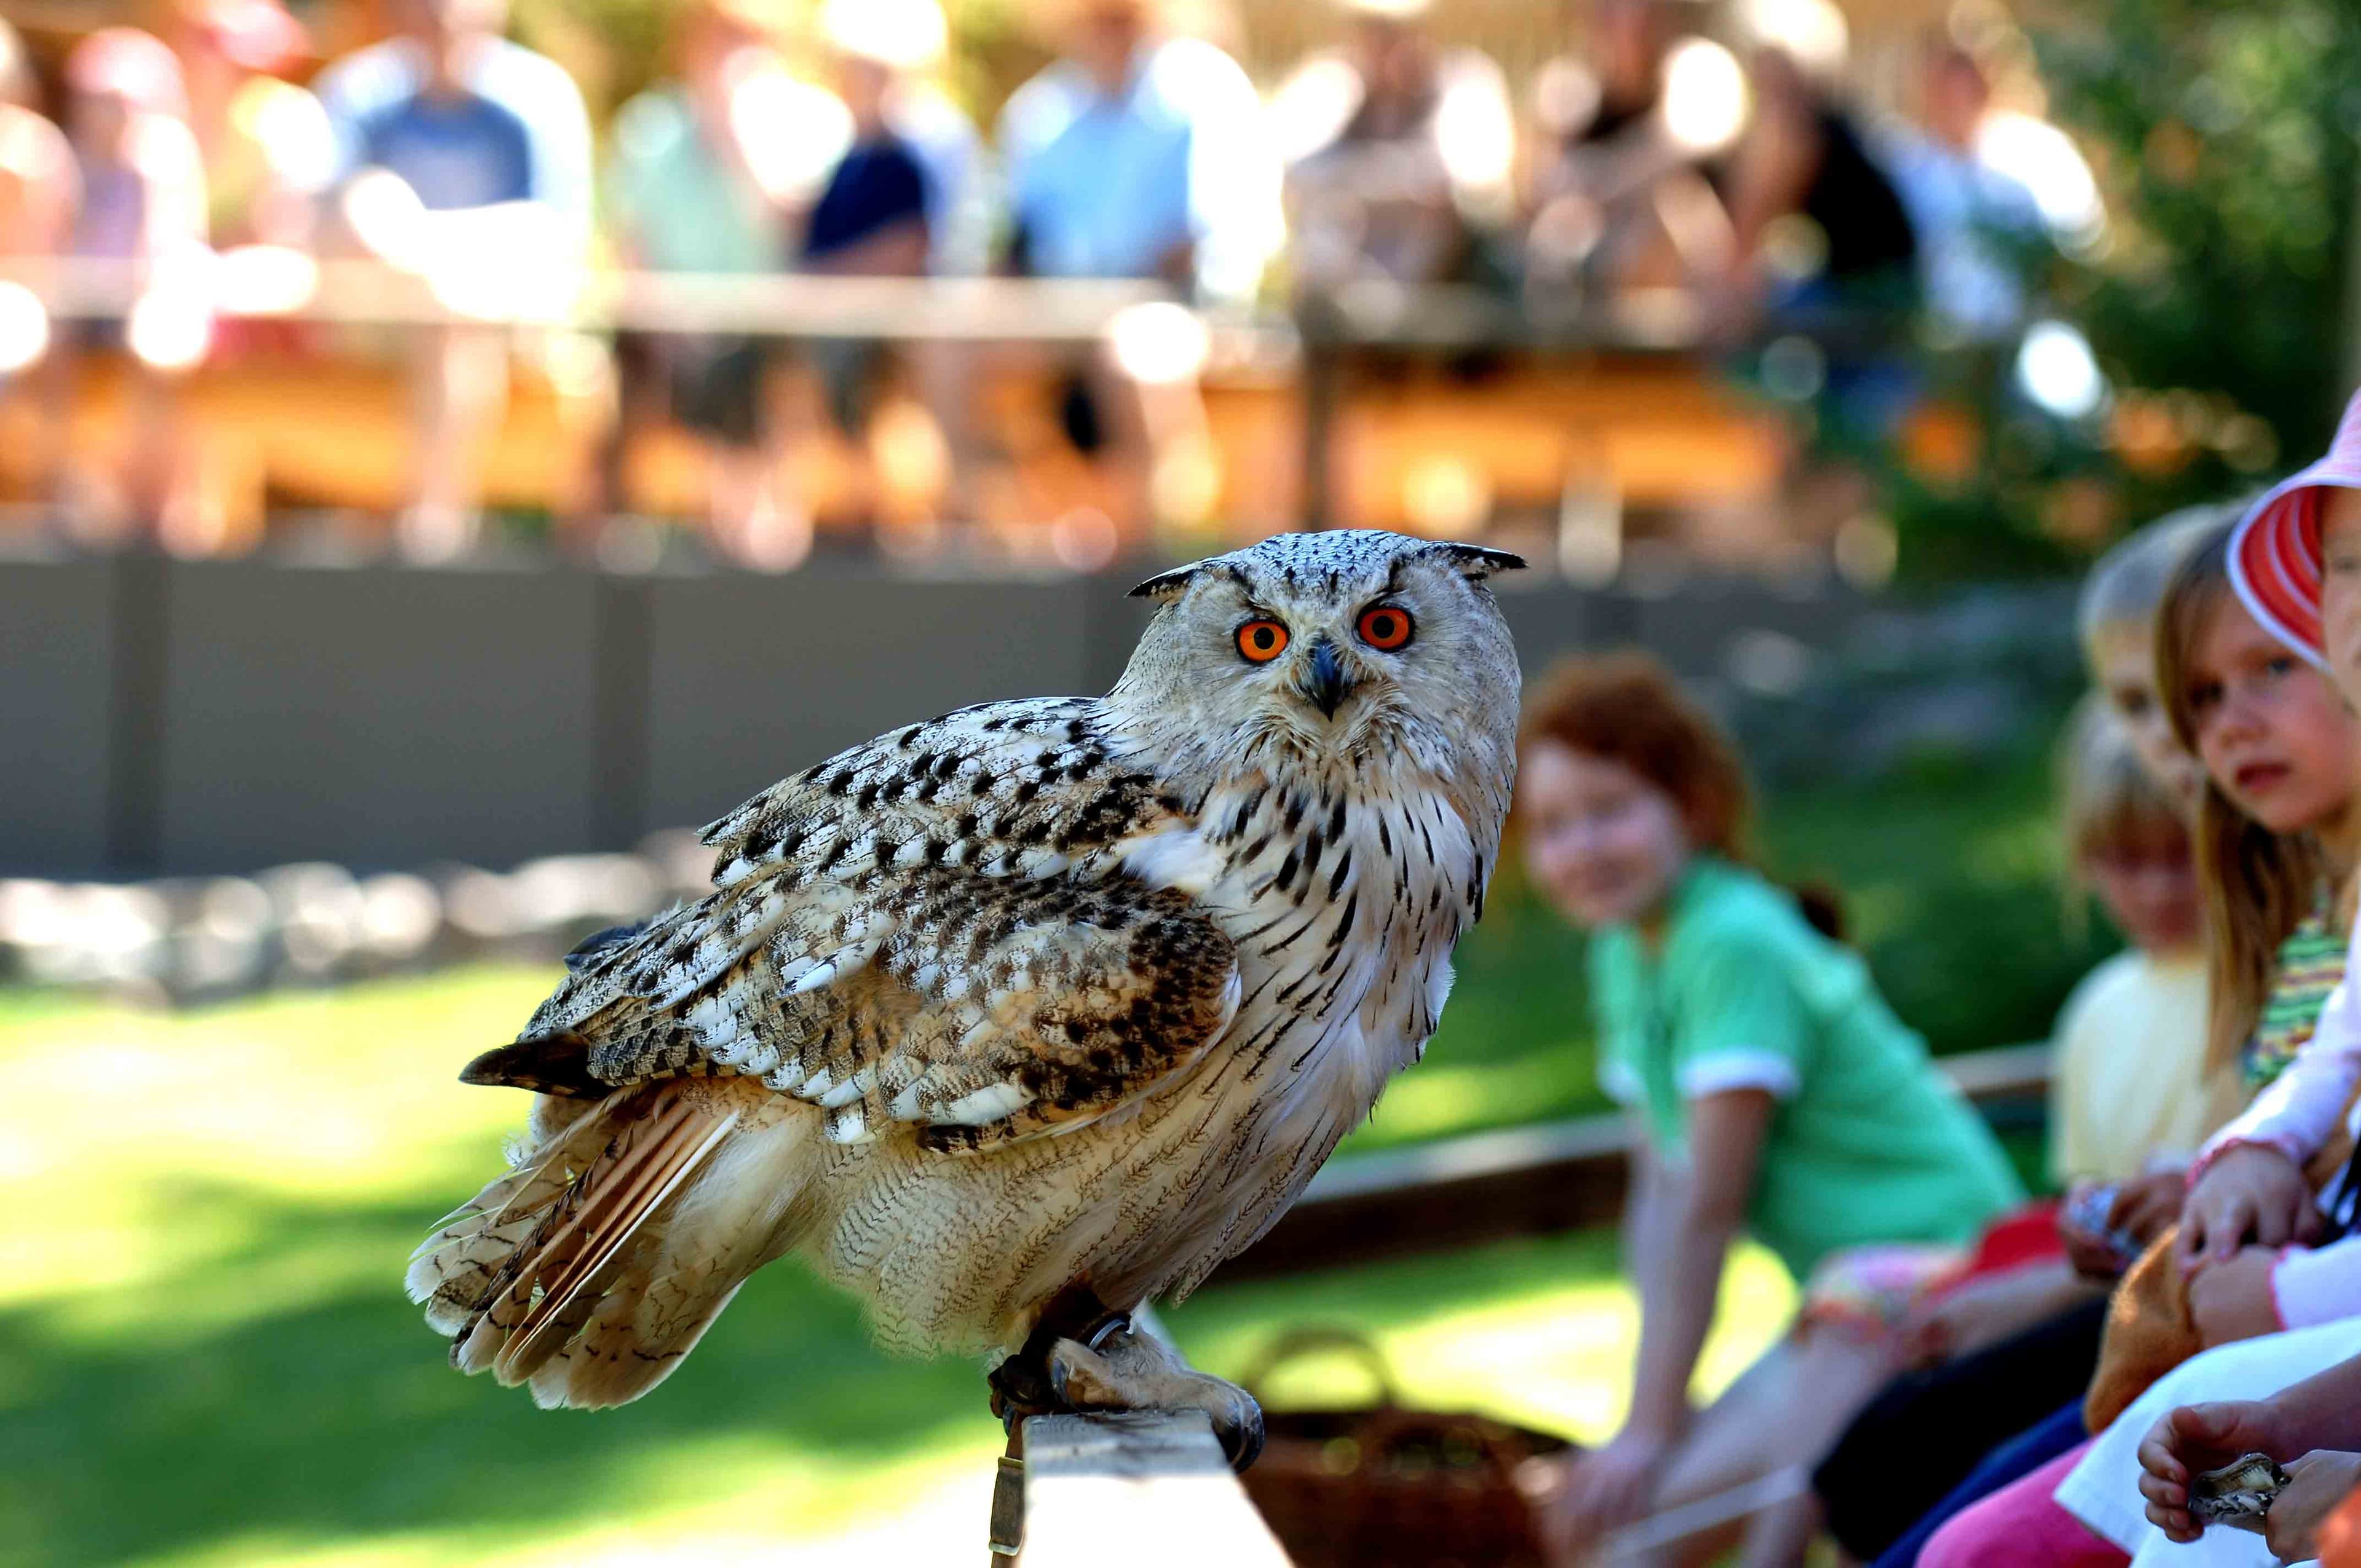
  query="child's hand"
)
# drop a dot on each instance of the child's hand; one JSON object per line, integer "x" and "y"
{"x": 2145, "y": 1205}
{"x": 2193, "y": 1439}
{"x": 2316, "y": 1484}
{"x": 2250, "y": 1193}
{"x": 1937, "y": 1331}
{"x": 1604, "y": 1490}
{"x": 2234, "y": 1300}
{"x": 2088, "y": 1247}
{"x": 1969, "y": 1317}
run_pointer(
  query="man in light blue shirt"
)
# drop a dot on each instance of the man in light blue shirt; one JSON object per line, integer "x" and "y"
{"x": 466, "y": 159}
{"x": 1140, "y": 156}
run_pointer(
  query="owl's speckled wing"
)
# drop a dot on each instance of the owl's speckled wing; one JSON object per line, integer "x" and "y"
{"x": 940, "y": 928}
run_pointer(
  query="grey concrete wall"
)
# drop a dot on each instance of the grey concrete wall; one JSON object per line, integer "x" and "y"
{"x": 752, "y": 678}
{"x": 375, "y": 715}
{"x": 57, "y": 651}
{"x": 157, "y": 717}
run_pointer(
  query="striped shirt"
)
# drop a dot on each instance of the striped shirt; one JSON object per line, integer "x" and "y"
{"x": 2311, "y": 963}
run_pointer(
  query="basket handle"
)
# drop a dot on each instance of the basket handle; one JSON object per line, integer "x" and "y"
{"x": 1315, "y": 1339}
{"x": 1381, "y": 1430}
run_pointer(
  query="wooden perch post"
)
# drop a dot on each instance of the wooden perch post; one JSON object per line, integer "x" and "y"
{"x": 1147, "y": 1489}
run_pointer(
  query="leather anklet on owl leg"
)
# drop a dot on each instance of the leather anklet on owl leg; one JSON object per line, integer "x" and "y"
{"x": 1021, "y": 1385}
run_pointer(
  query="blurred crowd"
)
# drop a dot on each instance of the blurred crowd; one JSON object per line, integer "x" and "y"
{"x": 1707, "y": 153}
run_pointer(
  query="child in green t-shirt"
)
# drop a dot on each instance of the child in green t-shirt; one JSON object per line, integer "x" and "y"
{"x": 1774, "y": 1089}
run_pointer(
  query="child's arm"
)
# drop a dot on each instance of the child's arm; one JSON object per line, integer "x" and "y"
{"x": 2249, "y": 1180}
{"x": 2300, "y": 1110}
{"x": 1699, "y": 1216}
{"x": 1648, "y": 1213}
{"x": 2317, "y": 1285}
{"x": 1726, "y": 1132}
{"x": 2263, "y": 1291}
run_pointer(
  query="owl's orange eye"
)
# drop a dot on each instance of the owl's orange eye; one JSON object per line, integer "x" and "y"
{"x": 1260, "y": 641}
{"x": 1385, "y": 627}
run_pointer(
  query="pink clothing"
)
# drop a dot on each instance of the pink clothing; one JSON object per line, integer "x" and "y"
{"x": 2021, "y": 1526}
{"x": 2317, "y": 1285}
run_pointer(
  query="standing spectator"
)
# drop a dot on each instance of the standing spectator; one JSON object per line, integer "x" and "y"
{"x": 268, "y": 149}
{"x": 875, "y": 219}
{"x": 466, "y": 158}
{"x": 889, "y": 54}
{"x": 39, "y": 185}
{"x": 40, "y": 190}
{"x": 1964, "y": 208}
{"x": 1817, "y": 222}
{"x": 1139, "y": 154}
{"x": 1398, "y": 150}
{"x": 1615, "y": 193}
{"x": 889, "y": 51}
{"x": 872, "y": 220}
{"x": 1821, "y": 243}
{"x": 714, "y": 172}
{"x": 143, "y": 206}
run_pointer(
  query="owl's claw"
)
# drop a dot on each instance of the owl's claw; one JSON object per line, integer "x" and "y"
{"x": 1132, "y": 1370}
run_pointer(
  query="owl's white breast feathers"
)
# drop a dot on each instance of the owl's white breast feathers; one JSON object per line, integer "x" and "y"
{"x": 1176, "y": 856}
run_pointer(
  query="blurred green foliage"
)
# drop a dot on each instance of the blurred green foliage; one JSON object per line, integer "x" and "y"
{"x": 615, "y": 47}
{"x": 2219, "y": 303}
{"x": 2225, "y": 138}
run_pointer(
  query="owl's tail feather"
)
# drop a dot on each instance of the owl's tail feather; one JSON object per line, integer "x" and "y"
{"x": 573, "y": 1237}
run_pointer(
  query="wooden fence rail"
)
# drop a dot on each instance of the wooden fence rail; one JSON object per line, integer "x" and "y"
{"x": 1146, "y": 1490}
{"x": 1519, "y": 1182}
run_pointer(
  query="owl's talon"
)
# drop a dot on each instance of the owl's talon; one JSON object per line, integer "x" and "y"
{"x": 1137, "y": 1371}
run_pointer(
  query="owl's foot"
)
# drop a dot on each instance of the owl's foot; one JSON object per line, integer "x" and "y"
{"x": 1130, "y": 1369}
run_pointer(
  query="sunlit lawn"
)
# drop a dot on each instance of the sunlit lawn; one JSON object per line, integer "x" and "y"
{"x": 207, "y": 1358}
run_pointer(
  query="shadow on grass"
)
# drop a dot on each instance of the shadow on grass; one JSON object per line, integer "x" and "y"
{"x": 332, "y": 1413}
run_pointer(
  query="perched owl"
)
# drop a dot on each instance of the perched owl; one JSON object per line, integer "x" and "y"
{"x": 1011, "y": 1020}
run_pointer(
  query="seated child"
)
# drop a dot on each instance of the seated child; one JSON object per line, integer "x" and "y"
{"x": 2294, "y": 563}
{"x": 2279, "y": 770}
{"x": 2127, "y": 786}
{"x": 1774, "y": 1090}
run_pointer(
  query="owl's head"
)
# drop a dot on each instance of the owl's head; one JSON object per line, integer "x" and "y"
{"x": 1328, "y": 646}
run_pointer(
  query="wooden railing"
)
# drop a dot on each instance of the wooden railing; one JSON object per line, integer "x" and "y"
{"x": 1536, "y": 1180}
{"x": 1146, "y": 1490}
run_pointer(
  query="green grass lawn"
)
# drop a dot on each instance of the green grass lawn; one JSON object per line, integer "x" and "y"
{"x": 205, "y": 1357}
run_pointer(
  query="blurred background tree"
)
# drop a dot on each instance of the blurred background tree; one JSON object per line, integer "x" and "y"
{"x": 2219, "y": 303}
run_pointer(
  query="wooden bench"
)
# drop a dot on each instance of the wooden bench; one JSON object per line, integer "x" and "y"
{"x": 328, "y": 428}
{"x": 1538, "y": 1180}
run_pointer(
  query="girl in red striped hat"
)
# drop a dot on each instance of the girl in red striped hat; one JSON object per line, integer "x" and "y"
{"x": 2295, "y": 563}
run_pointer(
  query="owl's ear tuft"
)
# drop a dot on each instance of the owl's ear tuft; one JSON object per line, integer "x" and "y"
{"x": 1166, "y": 586}
{"x": 1478, "y": 562}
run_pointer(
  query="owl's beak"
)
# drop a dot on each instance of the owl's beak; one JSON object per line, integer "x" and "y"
{"x": 1326, "y": 686}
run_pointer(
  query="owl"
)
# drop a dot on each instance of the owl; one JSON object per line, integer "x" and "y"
{"x": 1009, "y": 1021}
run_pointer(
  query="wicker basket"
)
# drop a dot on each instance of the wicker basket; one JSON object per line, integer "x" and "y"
{"x": 1387, "y": 1486}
